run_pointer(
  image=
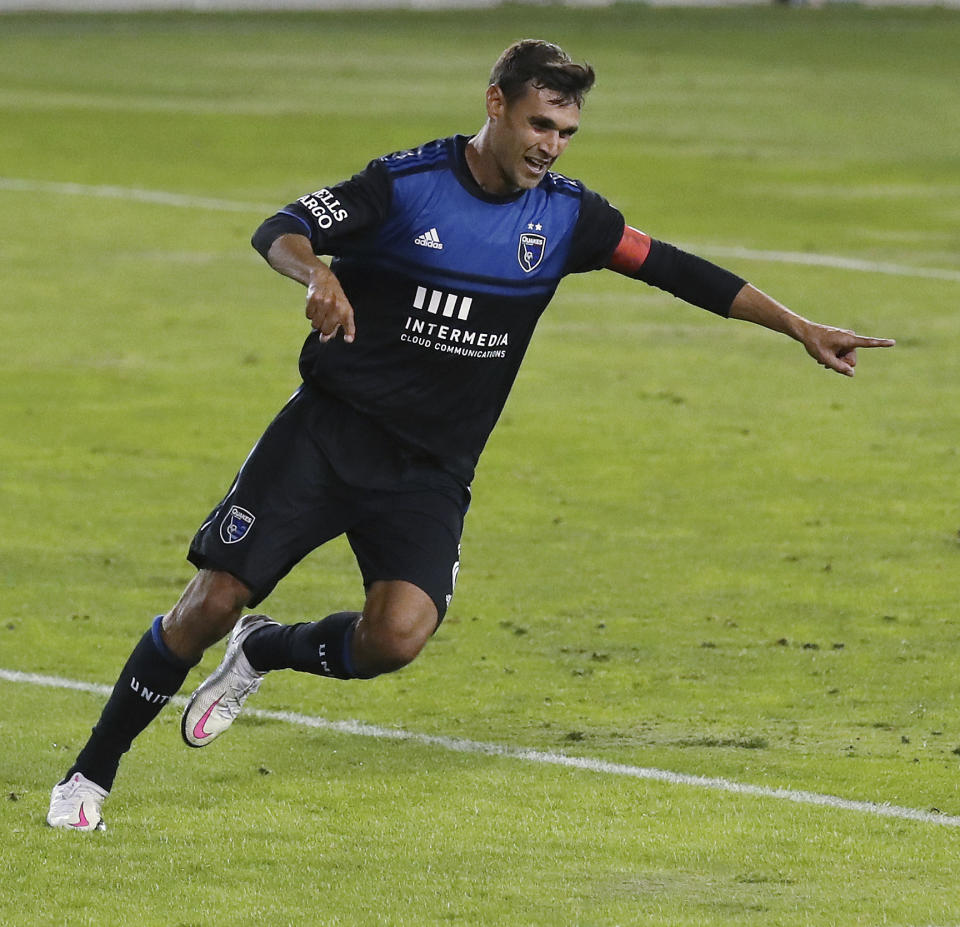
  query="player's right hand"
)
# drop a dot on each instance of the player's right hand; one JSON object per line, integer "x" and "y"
{"x": 328, "y": 308}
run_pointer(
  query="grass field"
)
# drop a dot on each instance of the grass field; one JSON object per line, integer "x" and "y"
{"x": 691, "y": 550}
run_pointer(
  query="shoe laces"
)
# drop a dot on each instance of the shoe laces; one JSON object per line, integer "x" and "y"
{"x": 233, "y": 701}
{"x": 67, "y": 792}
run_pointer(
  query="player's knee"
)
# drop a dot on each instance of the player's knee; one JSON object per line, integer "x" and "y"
{"x": 219, "y": 601}
{"x": 208, "y": 609}
{"x": 400, "y": 650}
{"x": 388, "y": 644}
{"x": 398, "y": 619}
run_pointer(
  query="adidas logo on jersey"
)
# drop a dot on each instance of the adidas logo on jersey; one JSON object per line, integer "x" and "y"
{"x": 429, "y": 240}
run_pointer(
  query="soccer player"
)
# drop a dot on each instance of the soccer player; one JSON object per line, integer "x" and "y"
{"x": 444, "y": 258}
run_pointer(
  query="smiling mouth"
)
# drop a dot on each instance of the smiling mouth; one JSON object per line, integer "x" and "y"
{"x": 537, "y": 166}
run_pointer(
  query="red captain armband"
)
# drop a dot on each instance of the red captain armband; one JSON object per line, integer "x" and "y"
{"x": 629, "y": 255}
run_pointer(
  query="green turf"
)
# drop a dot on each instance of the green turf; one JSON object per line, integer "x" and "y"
{"x": 690, "y": 548}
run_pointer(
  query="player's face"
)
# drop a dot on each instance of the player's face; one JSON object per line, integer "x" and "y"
{"x": 529, "y": 134}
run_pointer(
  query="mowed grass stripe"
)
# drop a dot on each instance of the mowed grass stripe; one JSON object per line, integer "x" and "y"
{"x": 548, "y": 758}
{"x": 190, "y": 201}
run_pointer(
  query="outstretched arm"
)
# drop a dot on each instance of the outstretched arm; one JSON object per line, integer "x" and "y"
{"x": 834, "y": 348}
{"x": 704, "y": 284}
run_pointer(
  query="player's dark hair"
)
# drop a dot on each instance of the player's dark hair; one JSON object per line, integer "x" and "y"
{"x": 544, "y": 66}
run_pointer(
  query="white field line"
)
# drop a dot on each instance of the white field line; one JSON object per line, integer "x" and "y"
{"x": 132, "y": 194}
{"x": 188, "y": 201}
{"x": 829, "y": 260}
{"x": 540, "y": 757}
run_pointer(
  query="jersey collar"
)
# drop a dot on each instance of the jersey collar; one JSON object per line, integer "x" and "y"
{"x": 467, "y": 180}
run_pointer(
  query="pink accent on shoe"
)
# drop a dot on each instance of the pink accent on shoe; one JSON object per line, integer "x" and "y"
{"x": 198, "y": 730}
{"x": 82, "y": 820}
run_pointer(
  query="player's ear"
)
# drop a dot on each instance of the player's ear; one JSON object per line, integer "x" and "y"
{"x": 496, "y": 102}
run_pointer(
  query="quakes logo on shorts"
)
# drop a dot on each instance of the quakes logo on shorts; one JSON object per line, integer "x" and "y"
{"x": 235, "y": 525}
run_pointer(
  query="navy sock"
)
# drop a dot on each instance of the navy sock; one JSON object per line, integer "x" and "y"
{"x": 319, "y": 647}
{"x": 150, "y": 677}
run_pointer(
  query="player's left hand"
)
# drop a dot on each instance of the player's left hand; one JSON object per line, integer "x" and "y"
{"x": 836, "y": 348}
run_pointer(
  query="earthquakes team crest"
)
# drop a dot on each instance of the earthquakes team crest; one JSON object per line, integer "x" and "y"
{"x": 235, "y": 525}
{"x": 530, "y": 250}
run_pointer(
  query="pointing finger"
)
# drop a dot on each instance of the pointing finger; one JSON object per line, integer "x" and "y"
{"x": 862, "y": 342}
{"x": 347, "y": 321}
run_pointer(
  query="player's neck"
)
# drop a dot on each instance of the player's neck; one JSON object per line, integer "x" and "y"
{"x": 483, "y": 166}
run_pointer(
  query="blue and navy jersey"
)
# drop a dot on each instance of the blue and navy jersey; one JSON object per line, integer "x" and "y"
{"x": 447, "y": 284}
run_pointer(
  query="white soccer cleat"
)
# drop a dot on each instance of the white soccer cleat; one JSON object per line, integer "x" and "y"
{"x": 218, "y": 701}
{"x": 76, "y": 803}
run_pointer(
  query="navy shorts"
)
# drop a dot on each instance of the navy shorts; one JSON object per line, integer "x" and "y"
{"x": 287, "y": 500}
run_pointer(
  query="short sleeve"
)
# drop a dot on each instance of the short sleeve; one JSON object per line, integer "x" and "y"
{"x": 331, "y": 215}
{"x": 596, "y": 235}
